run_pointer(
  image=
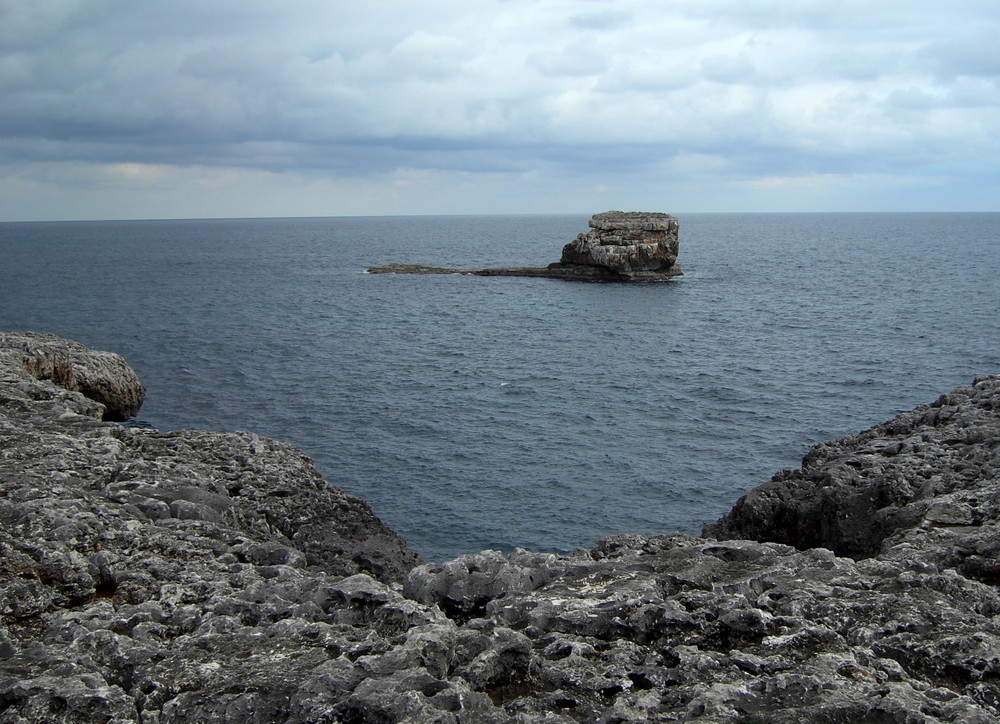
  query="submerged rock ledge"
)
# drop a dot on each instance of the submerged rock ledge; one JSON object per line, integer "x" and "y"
{"x": 622, "y": 246}
{"x": 195, "y": 576}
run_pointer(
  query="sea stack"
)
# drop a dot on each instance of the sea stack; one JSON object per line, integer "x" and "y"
{"x": 622, "y": 246}
{"x": 627, "y": 245}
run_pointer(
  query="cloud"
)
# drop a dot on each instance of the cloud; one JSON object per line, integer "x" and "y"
{"x": 972, "y": 53}
{"x": 308, "y": 89}
{"x": 729, "y": 69}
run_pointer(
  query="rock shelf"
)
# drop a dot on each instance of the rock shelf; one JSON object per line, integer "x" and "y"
{"x": 188, "y": 576}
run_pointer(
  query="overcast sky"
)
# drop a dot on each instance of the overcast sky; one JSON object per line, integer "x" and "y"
{"x": 232, "y": 108}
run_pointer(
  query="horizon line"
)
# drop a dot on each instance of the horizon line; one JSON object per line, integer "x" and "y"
{"x": 416, "y": 216}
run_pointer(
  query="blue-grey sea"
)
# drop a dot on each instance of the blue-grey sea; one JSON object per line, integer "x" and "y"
{"x": 477, "y": 413}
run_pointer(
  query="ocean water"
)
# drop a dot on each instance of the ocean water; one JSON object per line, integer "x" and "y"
{"x": 477, "y": 413}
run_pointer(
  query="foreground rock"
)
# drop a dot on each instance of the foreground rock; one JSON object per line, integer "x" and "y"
{"x": 103, "y": 377}
{"x": 932, "y": 471}
{"x": 622, "y": 246}
{"x": 194, "y": 576}
{"x": 130, "y": 557}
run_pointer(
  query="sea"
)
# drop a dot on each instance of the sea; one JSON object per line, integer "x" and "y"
{"x": 492, "y": 413}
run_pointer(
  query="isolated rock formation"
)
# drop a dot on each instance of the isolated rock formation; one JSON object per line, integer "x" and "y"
{"x": 622, "y": 246}
{"x": 196, "y": 576}
{"x": 634, "y": 245}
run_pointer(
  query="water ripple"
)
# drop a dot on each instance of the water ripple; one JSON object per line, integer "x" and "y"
{"x": 499, "y": 412}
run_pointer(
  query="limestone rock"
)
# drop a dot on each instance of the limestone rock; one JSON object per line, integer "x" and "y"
{"x": 634, "y": 245}
{"x": 933, "y": 468}
{"x": 100, "y": 376}
{"x": 622, "y": 246}
{"x": 674, "y": 628}
{"x": 134, "y": 561}
{"x": 196, "y": 576}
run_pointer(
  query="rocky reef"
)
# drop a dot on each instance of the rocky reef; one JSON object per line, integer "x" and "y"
{"x": 622, "y": 246}
{"x": 192, "y": 576}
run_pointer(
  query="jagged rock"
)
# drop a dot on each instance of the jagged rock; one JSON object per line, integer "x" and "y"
{"x": 128, "y": 553}
{"x": 932, "y": 468}
{"x": 462, "y": 587}
{"x": 194, "y": 576}
{"x": 674, "y": 628}
{"x": 632, "y": 246}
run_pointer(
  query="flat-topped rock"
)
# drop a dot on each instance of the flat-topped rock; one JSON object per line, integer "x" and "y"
{"x": 643, "y": 226}
{"x": 622, "y": 246}
{"x": 631, "y": 244}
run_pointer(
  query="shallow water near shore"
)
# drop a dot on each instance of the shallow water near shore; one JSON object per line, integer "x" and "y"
{"x": 478, "y": 413}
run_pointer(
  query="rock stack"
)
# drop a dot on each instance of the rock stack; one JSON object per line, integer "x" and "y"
{"x": 622, "y": 246}
{"x": 632, "y": 245}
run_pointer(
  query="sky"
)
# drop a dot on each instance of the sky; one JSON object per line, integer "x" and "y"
{"x": 120, "y": 109}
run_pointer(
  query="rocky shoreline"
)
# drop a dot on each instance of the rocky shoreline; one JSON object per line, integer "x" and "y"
{"x": 194, "y": 576}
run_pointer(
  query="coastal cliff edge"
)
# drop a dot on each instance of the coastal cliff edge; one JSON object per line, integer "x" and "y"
{"x": 152, "y": 576}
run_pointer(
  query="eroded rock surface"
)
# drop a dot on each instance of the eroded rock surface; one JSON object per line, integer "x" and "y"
{"x": 195, "y": 576}
{"x": 139, "y": 567}
{"x": 673, "y": 628}
{"x": 934, "y": 468}
{"x": 103, "y": 377}
{"x": 635, "y": 245}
